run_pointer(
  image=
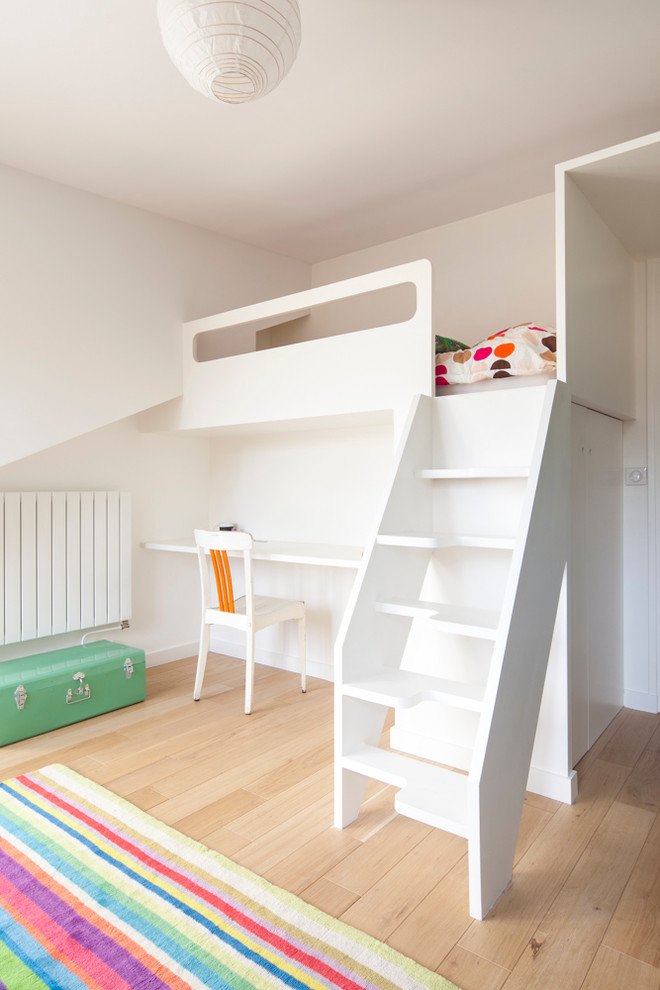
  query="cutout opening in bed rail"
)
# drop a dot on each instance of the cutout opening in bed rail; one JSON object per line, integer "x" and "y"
{"x": 366, "y": 310}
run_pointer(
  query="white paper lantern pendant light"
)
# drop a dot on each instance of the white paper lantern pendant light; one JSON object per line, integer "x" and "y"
{"x": 229, "y": 50}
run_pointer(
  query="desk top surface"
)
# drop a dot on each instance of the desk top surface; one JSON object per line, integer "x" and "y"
{"x": 323, "y": 554}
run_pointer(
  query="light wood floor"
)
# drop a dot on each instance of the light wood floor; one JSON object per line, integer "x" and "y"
{"x": 583, "y": 910}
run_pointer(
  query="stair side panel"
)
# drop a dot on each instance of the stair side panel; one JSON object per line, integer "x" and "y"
{"x": 505, "y": 739}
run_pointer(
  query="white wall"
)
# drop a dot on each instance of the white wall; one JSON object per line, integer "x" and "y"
{"x": 316, "y": 485}
{"x": 610, "y": 281}
{"x": 489, "y": 272}
{"x": 653, "y": 676}
{"x": 168, "y": 479}
{"x": 611, "y": 338}
{"x": 642, "y": 504}
{"x": 312, "y": 485}
{"x": 599, "y": 301}
{"x": 638, "y": 551}
{"x": 93, "y": 297}
{"x": 92, "y": 301}
{"x": 638, "y": 340}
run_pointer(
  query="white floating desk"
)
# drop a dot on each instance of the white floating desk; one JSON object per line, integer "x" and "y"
{"x": 322, "y": 554}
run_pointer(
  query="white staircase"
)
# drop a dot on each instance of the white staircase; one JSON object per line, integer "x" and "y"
{"x": 451, "y": 620}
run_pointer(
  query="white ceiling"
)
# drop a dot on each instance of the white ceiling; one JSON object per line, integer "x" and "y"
{"x": 398, "y": 115}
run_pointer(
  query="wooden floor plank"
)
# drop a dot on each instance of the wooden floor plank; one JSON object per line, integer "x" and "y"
{"x": 570, "y": 933}
{"x": 284, "y": 805}
{"x": 263, "y": 854}
{"x": 533, "y": 821}
{"x": 642, "y": 787}
{"x": 372, "y": 860}
{"x": 225, "y": 842}
{"x": 391, "y": 899}
{"x": 241, "y": 762}
{"x": 544, "y": 869}
{"x": 312, "y": 860}
{"x": 470, "y": 972}
{"x": 626, "y": 745}
{"x": 328, "y": 897}
{"x": 635, "y": 927}
{"x": 293, "y": 769}
{"x": 433, "y": 928}
{"x": 218, "y": 813}
{"x": 616, "y": 726}
{"x": 376, "y": 812}
{"x": 204, "y": 765}
{"x": 613, "y": 970}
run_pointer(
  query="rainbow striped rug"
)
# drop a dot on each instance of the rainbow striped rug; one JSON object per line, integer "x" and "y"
{"x": 96, "y": 894}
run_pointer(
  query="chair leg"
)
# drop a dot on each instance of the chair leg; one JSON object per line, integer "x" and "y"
{"x": 201, "y": 660}
{"x": 302, "y": 648}
{"x": 249, "y": 671}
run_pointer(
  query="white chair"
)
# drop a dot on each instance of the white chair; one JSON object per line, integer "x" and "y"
{"x": 249, "y": 613}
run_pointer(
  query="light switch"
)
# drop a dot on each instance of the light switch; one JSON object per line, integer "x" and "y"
{"x": 636, "y": 476}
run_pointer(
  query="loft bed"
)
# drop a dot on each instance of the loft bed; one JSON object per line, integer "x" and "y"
{"x": 229, "y": 381}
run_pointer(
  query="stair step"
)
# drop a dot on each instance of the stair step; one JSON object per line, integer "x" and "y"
{"x": 472, "y": 472}
{"x": 462, "y": 620}
{"x": 440, "y": 541}
{"x": 406, "y": 688}
{"x": 428, "y": 793}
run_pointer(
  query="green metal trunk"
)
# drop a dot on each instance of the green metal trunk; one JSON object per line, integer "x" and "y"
{"x": 49, "y": 690}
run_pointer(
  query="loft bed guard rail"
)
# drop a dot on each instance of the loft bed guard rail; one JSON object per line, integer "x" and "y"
{"x": 367, "y": 370}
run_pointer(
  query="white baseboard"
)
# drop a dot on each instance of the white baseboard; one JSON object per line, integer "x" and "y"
{"x": 282, "y": 661}
{"x": 553, "y": 785}
{"x": 172, "y": 653}
{"x": 324, "y": 671}
{"x": 640, "y": 701}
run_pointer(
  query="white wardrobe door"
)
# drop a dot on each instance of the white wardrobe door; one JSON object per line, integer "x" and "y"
{"x": 596, "y": 590}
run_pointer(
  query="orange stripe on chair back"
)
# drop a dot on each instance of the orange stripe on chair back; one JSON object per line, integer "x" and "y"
{"x": 223, "y": 580}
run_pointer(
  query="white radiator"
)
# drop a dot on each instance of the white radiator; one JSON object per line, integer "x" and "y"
{"x": 65, "y": 562}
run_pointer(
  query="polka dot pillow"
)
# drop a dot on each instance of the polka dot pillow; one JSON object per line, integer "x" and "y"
{"x": 528, "y": 349}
